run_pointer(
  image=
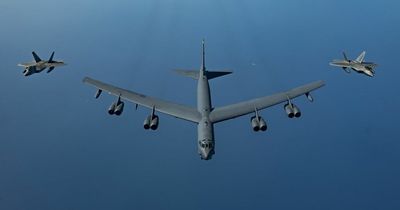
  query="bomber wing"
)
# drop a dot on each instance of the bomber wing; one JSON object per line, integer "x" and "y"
{"x": 173, "y": 109}
{"x": 246, "y": 107}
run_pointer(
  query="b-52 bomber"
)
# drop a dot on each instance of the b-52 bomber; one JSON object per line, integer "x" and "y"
{"x": 358, "y": 65}
{"x": 205, "y": 115}
{"x": 39, "y": 65}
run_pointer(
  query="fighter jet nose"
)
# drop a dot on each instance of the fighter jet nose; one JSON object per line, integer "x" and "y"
{"x": 369, "y": 73}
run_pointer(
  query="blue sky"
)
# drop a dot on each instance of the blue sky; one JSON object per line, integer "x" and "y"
{"x": 59, "y": 149}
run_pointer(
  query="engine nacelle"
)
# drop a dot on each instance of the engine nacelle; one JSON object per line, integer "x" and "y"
{"x": 262, "y": 124}
{"x": 296, "y": 111}
{"x": 255, "y": 123}
{"x": 154, "y": 123}
{"x": 146, "y": 123}
{"x": 112, "y": 108}
{"x": 119, "y": 108}
{"x": 29, "y": 70}
{"x": 289, "y": 110}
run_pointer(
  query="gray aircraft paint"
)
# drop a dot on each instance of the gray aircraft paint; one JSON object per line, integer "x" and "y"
{"x": 39, "y": 65}
{"x": 357, "y": 65}
{"x": 205, "y": 115}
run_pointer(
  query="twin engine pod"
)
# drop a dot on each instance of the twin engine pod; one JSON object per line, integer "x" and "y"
{"x": 258, "y": 124}
{"x": 151, "y": 122}
{"x": 292, "y": 110}
{"x": 116, "y": 108}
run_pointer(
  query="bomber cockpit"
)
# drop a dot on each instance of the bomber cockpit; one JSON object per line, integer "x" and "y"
{"x": 206, "y": 149}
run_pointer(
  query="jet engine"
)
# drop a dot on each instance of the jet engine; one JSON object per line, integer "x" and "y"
{"x": 119, "y": 108}
{"x": 146, "y": 123}
{"x": 154, "y": 123}
{"x": 263, "y": 124}
{"x": 112, "y": 108}
{"x": 289, "y": 110}
{"x": 296, "y": 111}
{"x": 292, "y": 110}
{"x": 255, "y": 123}
{"x": 258, "y": 124}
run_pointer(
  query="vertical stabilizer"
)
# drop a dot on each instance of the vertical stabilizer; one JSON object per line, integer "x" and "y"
{"x": 203, "y": 59}
{"x": 360, "y": 58}
{"x": 36, "y": 57}
{"x": 51, "y": 58}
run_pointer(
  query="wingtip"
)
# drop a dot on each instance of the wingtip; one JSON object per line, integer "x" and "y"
{"x": 85, "y": 79}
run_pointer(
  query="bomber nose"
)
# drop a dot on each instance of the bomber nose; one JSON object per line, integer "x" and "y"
{"x": 206, "y": 154}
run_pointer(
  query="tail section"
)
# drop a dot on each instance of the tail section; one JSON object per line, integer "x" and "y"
{"x": 51, "y": 58}
{"x": 203, "y": 58}
{"x": 345, "y": 56}
{"x": 360, "y": 58}
{"x": 196, "y": 74}
{"x": 36, "y": 57}
{"x": 215, "y": 74}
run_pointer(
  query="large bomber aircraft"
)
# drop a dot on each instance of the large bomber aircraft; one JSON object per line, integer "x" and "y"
{"x": 358, "y": 65}
{"x": 205, "y": 115}
{"x": 39, "y": 65}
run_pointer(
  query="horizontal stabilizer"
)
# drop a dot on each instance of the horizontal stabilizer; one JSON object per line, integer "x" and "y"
{"x": 194, "y": 74}
{"x": 215, "y": 74}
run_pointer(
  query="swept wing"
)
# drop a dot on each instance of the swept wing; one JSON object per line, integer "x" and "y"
{"x": 246, "y": 107}
{"x": 173, "y": 109}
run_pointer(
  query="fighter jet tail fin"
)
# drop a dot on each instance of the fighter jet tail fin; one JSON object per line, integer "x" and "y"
{"x": 51, "y": 57}
{"x": 345, "y": 56}
{"x": 360, "y": 58}
{"x": 36, "y": 57}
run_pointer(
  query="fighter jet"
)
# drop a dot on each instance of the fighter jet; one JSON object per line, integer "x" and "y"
{"x": 39, "y": 65}
{"x": 358, "y": 65}
{"x": 205, "y": 115}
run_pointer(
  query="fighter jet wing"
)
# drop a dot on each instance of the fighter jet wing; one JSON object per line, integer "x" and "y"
{"x": 340, "y": 64}
{"x": 246, "y": 107}
{"x": 173, "y": 109}
{"x": 26, "y": 64}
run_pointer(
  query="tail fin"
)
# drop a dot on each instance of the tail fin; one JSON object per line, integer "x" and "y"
{"x": 194, "y": 74}
{"x": 51, "y": 58}
{"x": 203, "y": 58}
{"x": 345, "y": 56}
{"x": 360, "y": 58}
{"x": 36, "y": 57}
